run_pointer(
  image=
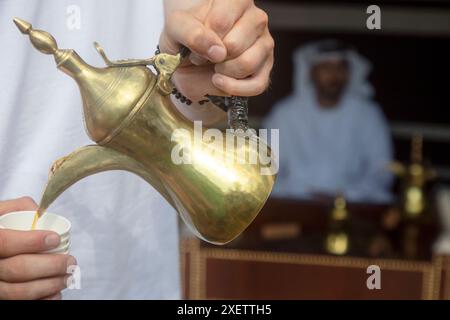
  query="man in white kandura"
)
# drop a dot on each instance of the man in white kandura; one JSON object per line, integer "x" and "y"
{"x": 334, "y": 138}
{"x": 125, "y": 236}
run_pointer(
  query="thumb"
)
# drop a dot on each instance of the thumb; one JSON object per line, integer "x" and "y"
{"x": 14, "y": 242}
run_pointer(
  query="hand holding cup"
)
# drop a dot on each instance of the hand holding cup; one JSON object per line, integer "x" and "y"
{"x": 27, "y": 270}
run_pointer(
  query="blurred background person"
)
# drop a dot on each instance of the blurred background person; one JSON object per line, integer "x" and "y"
{"x": 334, "y": 138}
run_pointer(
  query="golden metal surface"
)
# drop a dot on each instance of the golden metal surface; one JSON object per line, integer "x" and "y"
{"x": 338, "y": 239}
{"x": 414, "y": 179}
{"x": 340, "y": 211}
{"x": 128, "y": 113}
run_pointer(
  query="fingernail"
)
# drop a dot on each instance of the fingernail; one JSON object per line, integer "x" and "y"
{"x": 52, "y": 240}
{"x": 217, "y": 53}
{"x": 71, "y": 261}
{"x": 218, "y": 80}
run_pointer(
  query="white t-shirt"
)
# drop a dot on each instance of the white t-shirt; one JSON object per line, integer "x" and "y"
{"x": 124, "y": 234}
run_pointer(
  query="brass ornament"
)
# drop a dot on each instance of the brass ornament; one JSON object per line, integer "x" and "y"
{"x": 129, "y": 115}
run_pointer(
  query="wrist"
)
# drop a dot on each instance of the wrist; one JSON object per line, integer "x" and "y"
{"x": 207, "y": 112}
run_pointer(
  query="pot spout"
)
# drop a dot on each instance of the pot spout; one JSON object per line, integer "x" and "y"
{"x": 87, "y": 161}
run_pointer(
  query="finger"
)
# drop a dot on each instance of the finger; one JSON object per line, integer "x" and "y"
{"x": 57, "y": 296}
{"x": 249, "y": 87}
{"x": 186, "y": 80}
{"x": 33, "y": 290}
{"x": 224, "y": 14}
{"x": 183, "y": 28}
{"x": 250, "y": 62}
{"x": 246, "y": 32}
{"x": 29, "y": 267}
{"x": 14, "y": 242}
{"x": 197, "y": 60}
{"x": 20, "y": 204}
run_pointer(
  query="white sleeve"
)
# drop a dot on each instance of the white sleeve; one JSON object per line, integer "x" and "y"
{"x": 376, "y": 145}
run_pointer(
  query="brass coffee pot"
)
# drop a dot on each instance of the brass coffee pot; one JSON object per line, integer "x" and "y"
{"x": 415, "y": 177}
{"x": 337, "y": 240}
{"x": 129, "y": 115}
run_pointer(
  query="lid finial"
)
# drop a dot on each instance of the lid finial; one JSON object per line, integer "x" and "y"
{"x": 41, "y": 40}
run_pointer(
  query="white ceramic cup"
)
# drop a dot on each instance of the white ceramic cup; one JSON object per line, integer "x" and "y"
{"x": 23, "y": 220}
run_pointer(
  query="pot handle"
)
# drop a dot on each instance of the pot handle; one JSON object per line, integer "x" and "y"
{"x": 166, "y": 64}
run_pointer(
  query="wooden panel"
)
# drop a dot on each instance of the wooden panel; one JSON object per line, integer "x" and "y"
{"x": 445, "y": 279}
{"x": 231, "y": 279}
{"x": 185, "y": 273}
{"x": 281, "y": 256}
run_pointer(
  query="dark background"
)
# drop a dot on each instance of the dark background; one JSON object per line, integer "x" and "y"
{"x": 410, "y": 75}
